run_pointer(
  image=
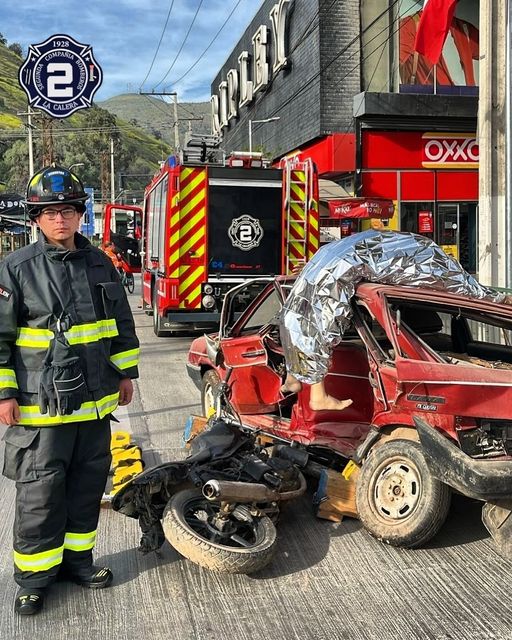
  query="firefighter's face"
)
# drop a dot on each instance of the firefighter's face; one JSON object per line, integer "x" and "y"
{"x": 59, "y": 222}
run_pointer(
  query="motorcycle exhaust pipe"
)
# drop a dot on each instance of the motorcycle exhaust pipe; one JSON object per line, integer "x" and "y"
{"x": 230, "y": 491}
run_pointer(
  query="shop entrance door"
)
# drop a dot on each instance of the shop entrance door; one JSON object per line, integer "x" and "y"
{"x": 448, "y": 229}
{"x": 456, "y": 228}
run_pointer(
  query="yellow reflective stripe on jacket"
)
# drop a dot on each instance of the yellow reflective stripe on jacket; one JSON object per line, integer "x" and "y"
{"x": 41, "y": 561}
{"x": 92, "y": 332}
{"x": 126, "y": 359}
{"x": 90, "y": 410}
{"x": 79, "y": 541}
{"x": 108, "y": 404}
{"x": 35, "y": 338}
{"x": 8, "y": 379}
{"x": 78, "y": 334}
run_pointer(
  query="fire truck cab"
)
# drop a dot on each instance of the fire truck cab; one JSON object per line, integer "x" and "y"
{"x": 211, "y": 222}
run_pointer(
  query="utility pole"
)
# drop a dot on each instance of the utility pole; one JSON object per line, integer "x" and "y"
{"x": 28, "y": 113}
{"x": 495, "y": 224}
{"x": 175, "y": 126}
{"x": 30, "y": 126}
{"x": 176, "y": 123}
{"x": 47, "y": 139}
{"x": 112, "y": 175}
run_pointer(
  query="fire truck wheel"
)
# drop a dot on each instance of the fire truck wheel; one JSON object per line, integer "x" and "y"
{"x": 237, "y": 542}
{"x": 209, "y": 384}
{"x": 398, "y": 499}
{"x": 157, "y": 321}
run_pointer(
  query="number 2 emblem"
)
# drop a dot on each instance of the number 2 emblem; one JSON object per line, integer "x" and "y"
{"x": 60, "y": 76}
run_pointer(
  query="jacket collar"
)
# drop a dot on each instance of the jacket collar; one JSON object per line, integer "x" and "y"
{"x": 56, "y": 253}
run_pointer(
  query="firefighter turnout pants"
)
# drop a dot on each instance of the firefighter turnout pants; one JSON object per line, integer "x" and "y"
{"x": 60, "y": 475}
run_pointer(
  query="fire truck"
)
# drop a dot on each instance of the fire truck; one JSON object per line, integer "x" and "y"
{"x": 210, "y": 223}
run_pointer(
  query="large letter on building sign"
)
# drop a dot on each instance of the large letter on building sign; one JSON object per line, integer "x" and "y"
{"x": 260, "y": 64}
{"x": 245, "y": 83}
{"x": 223, "y": 106}
{"x": 214, "y": 101}
{"x": 279, "y": 15}
{"x": 232, "y": 94}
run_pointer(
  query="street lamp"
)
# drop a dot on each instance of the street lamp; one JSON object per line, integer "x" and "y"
{"x": 251, "y": 122}
{"x": 76, "y": 164}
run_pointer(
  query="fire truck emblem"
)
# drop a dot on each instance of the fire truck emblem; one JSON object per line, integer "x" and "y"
{"x": 60, "y": 76}
{"x": 245, "y": 232}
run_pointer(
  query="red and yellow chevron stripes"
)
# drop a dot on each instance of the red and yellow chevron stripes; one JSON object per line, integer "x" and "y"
{"x": 302, "y": 239}
{"x": 187, "y": 244}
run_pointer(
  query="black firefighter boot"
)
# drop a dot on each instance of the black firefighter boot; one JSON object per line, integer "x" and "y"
{"x": 90, "y": 577}
{"x": 29, "y": 601}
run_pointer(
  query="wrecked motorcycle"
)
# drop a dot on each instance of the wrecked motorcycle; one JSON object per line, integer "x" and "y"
{"x": 219, "y": 506}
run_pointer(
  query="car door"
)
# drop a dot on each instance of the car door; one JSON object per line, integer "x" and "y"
{"x": 254, "y": 380}
{"x": 431, "y": 381}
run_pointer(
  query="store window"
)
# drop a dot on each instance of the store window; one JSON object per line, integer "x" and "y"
{"x": 452, "y": 225}
{"x": 417, "y": 217}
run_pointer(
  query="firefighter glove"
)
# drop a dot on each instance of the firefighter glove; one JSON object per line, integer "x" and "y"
{"x": 62, "y": 389}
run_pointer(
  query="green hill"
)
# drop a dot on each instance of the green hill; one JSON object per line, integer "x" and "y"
{"x": 157, "y": 117}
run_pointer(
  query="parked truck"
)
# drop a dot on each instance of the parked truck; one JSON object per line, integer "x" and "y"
{"x": 209, "y": 225}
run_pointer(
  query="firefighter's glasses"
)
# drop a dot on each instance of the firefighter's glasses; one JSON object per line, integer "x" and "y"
{"x": 52, "y": 214}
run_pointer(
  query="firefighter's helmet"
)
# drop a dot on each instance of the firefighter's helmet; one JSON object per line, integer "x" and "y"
{"x": 54, "y": 185}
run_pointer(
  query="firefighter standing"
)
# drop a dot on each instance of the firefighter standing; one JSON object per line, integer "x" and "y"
{"x": 68, "y": 351}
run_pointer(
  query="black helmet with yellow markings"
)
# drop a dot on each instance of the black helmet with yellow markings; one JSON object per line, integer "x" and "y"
{"x": 54, "y": 185}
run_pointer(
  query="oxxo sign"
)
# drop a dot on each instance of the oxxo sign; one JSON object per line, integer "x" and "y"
{"x": 60, "y": 76}
{"x": 450, "y": 150}
{"x": 241, "y": 86}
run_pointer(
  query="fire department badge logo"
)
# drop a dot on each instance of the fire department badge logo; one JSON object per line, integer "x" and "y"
{"x": 245, "y": 232}
{"x": 60, "y": 76}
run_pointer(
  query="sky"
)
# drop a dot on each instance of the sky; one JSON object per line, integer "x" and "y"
{"x": 125, "y": 36}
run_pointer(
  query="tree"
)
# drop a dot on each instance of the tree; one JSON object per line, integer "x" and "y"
{"x": 15, "y": 47}
{"x": 3, "y": 40}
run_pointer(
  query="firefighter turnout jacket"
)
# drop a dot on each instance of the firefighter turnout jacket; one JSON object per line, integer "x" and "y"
{"x": 39, "y": 283}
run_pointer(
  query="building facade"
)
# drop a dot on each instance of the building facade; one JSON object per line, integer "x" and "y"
{"x": 338, "y": 81}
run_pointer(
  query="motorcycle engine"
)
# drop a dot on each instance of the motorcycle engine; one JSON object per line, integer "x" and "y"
{"x": 280, "y": 474}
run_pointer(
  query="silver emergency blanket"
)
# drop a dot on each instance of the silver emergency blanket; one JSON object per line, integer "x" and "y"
{"x": 317, "y": 310}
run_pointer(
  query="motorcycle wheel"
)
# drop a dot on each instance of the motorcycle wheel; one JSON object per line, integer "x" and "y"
{"x": 398, "y": 499}
{"x": 246, "y": 547}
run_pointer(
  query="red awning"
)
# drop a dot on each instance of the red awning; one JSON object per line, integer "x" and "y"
{"x": 361, "y": 208}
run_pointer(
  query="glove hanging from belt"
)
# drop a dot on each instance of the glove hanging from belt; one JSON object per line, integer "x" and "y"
{"x": 62, "y": 388}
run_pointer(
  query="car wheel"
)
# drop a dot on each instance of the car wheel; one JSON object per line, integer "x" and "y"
{"x": 209, "y": 385}
{"x": 244, "y": 544}
{"x": 398, "y": 499}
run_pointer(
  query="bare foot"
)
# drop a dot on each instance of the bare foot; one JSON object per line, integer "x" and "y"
{"x": 328, "y": 403}
{"x": 291, "y": 385}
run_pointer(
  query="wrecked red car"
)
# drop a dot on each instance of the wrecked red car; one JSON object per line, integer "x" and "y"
{"x": 430, "y": 375}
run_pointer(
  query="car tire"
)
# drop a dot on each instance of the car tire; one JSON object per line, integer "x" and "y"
{"x": 188, "y": 528}
{"x": 398, "y": 499}
{"x": 209, "y": 384}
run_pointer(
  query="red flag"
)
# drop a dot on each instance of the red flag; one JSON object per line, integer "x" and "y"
{"x": 433, "y": 28}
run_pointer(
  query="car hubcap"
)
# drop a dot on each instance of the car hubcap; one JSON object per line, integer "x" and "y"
{"x": 397, "y": 490}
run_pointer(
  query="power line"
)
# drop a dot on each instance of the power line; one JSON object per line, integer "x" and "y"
{"x": 182, "y": 44}
{"x": 159, "y": 43}
{"x": 208, "y": 47}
